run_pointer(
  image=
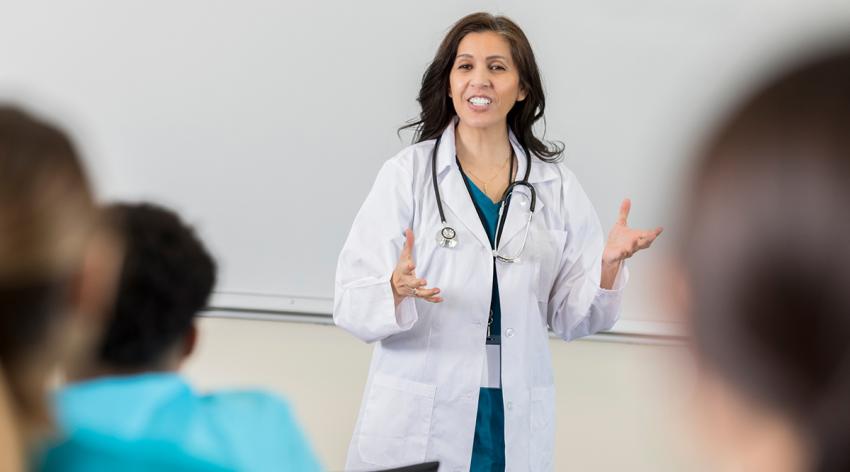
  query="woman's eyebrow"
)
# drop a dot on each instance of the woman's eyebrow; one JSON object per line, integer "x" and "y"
{"x": 489, "y": 58}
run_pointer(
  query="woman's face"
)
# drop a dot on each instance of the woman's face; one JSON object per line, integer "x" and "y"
{"x": 484, "y": 82}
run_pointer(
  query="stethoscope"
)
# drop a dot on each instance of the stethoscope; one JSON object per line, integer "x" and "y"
{"x": 447, "y": 236}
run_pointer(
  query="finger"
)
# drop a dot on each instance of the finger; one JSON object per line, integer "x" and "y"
{"x": 406, "y": 266}
{"x": 427, "y": 292}
{"x": 411, "y": 283}
{"x": 434, "y": 299}
{"x": 625, "y": 207}
{"x": 651, "y": 235}
{"x": 407, "y": 250}
{"x": 647, "y": 238}
{"x": 405, "y": 270}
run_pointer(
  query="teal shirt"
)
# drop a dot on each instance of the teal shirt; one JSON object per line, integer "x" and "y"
{"x": 156, "y": 421}
{"x": 489, "y": 211}
{"x": 488, "y": 446}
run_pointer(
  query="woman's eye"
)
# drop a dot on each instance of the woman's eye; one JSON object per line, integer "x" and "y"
{"x": 497, "y": 67}
{"x": 465, "y": 66}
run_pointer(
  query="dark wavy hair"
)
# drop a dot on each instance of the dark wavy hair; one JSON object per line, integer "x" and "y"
{"x": 766, "y": 253}
{"x": 438, "y": 110}
{"x": 165, "y": 281}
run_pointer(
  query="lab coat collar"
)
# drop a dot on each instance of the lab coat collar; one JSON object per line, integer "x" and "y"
{"x": 456, "y": 196}
{"x": 453, "y": 190}
{"x": 540, "y": 171}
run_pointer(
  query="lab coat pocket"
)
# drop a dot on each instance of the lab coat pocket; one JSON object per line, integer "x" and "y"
{"x": 542, "y": 424}
{"x": 396, "y": 421}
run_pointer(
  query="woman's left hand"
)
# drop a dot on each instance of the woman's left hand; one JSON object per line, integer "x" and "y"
{"x": 623, "y": 243}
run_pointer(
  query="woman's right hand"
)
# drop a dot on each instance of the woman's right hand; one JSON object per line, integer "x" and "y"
{"x": 404, "y": 281}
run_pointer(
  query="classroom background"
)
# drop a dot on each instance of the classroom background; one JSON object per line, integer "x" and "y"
{"x": 264, "y": 123}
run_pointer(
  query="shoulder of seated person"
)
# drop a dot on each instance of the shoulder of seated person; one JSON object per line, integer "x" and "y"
{"x": 246, "y": 398}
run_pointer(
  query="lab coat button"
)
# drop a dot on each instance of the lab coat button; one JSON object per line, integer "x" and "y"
{"x": 510, "y": 405}
{"x": 509, "y": 332}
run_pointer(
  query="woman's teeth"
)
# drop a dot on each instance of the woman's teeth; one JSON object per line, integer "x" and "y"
{"x": 479, "y": 101}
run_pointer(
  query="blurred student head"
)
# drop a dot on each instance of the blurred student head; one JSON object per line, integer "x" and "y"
{"x": 166, "y": 279}
{"x": 57, "y": 260}
{"x": 767, "y": 261}
{"x": 11, "y": 451}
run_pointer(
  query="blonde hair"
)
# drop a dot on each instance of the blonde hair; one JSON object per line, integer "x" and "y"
{"x": 11, "y": 458}
{"x": 47, "y": 215}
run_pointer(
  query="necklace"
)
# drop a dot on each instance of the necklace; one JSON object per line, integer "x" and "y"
{"x": 497, "y": 174}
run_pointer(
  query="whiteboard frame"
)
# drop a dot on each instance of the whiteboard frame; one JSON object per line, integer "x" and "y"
{"x": 319, "y": 310}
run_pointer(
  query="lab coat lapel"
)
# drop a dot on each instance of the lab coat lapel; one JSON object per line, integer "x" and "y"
{"x": 517, "y": 215}
{"x": 453, "y": 190}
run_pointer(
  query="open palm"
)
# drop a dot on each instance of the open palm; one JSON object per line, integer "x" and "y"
{"x": 624, "y": 242}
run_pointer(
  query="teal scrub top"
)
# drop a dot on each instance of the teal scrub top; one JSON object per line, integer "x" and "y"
{"x": 488, "y": 446}
{"x": 155, "y": 421}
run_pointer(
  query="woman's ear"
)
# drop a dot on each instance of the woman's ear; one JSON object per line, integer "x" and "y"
{"x": 97, "y": 278}
{"x": 90, "y": 299}
{"x": 190, "y": 341}
{"x": 522, "y": 94}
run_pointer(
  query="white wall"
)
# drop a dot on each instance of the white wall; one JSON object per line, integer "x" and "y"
{"x": 620, "y": 406}
{"x": 238, "y": 112}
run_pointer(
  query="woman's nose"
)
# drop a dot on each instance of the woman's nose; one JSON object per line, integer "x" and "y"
{"x": 481, "y": 77}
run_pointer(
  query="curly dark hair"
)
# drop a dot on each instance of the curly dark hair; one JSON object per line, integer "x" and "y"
{"x": 166, "y": 280}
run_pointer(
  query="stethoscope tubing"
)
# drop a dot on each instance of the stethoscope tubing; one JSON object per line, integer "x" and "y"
{"x": 503, "y": 211}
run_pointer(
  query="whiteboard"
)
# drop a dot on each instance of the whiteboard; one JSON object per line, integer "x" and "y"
{"x": 264, "y": 122}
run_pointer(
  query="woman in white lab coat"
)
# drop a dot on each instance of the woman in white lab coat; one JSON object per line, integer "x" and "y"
{"x": 461, "y": 371}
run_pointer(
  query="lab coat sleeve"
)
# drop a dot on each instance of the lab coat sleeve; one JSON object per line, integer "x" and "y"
{"x": 363, "y": 299}
{"x": 577, "y": 305}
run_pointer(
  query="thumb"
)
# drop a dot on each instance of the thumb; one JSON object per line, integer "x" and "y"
{"x": 625, "y": 207}
{"x": 407, "y": 250}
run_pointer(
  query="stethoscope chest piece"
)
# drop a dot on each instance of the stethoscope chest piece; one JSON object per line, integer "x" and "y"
{"x": 447, "y": 237}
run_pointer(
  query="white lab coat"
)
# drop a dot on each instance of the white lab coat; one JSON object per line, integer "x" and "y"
{"x": 421, "y": 396}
